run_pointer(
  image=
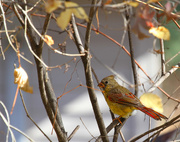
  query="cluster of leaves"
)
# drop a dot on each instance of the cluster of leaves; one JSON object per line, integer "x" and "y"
{"x": 144, "y": 16}
{"x": 69, "y": 8}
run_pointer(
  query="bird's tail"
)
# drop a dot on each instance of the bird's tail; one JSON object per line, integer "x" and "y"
{"x": 154, "y": 114}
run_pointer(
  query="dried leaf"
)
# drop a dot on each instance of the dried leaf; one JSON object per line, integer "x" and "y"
{"x": 52, "y": 5}
{"x": 48, "y": 39}
{"x": 160, "y": 32}
{"x": 65, "y": 16}
{"x": 152, "y": 101}
{"x": 21, "y": 78}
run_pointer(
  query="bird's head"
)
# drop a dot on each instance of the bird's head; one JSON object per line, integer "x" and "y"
{"x": 108, "y": 83}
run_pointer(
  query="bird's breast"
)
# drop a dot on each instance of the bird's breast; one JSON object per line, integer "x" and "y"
{"x": 119, "y": 109}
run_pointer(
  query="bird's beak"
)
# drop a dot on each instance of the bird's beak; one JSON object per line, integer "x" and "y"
{"x": 101, "y": 85}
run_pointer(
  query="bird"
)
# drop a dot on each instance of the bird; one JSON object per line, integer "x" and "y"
{"x": 122, "y": 102}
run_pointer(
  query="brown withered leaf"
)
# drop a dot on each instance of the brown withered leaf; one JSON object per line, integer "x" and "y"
{"x": 21, "y": 78}
{"x": 48, "y": 39}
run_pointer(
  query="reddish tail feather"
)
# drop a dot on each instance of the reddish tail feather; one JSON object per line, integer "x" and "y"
{"x": 154, "y": 114}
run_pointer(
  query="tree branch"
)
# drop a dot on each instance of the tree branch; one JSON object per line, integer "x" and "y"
{"x": 132, "y": 53}
{"x": 47, "y": 94}
{"x": 88, "y": 74}
{"x": 159, "y": 128}
{"x": 161, "y": 79}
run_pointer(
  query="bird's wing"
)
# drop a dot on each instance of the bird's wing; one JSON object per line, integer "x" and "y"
{"x": 124, "y": 97}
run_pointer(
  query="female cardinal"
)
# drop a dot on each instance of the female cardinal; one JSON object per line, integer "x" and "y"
{"x": 122, "y": 102}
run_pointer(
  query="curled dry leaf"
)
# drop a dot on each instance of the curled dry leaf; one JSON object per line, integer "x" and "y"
{"x": 48, "y": 39}
{"x": 21, "y": 78}
{"x": 152, "y": 101}
{"x": 160, "y": 32}
{"x": 65, "y": 16}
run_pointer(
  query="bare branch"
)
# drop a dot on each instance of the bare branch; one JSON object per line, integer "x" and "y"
{"x": 163, "y": 67}
{"x": 132, "y": 52}
{"x": 88, "y": 74}
{"x": 159, "y": 128}
{"x": 73, "y": 132}
{"x": 47, "y": 94}
{"x": 27, "y": 114}
{"x": 164, "y": 77}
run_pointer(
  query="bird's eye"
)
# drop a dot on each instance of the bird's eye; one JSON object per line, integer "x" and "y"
{"x": 106, "y": 82}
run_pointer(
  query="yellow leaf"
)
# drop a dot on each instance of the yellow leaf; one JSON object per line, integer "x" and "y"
{"x": 48, "y": 39}
{"x": 65, "y": 16}
{"x": 52, "y": 5}
{"x": 132, "y": 3}
{"x": 78, "y": 11}
{"x": 152, "y": 101}
{"x": 21, "y": 78}
{"x": 160, "y": 32}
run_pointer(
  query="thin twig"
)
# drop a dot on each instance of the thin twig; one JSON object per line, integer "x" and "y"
{"x": 172, "y": 57}
{"x": 77, "y": 36}
{"x": 6, "y": 31}
{"x": 44, "y": 31}
{"x": 7, "y": 122}
{"x": 161, "y": 79}
{"x": 122, "y": 136}
{"x": 122, "y": 39}
{"x": 21, "y": 132}
{"x": 157, "y": 8}
{"x": 2, "y": 48}
{"x": 27, "y": 114}
{"x": 163, "y": 67}
{"x": 73, "y": 133}
{"x": 160, "y": 128}
{"x": 34, "y": 28}
{"x": 132, "y": 52}
{"x": 112, "y": 125}
{"x": 87, "y": 129}
{"x": 28, "y": 43}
